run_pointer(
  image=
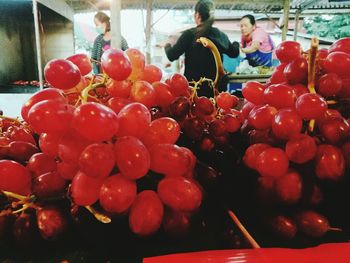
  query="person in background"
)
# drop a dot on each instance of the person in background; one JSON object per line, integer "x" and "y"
{"x": 256, "y": 43}
{"x": 199, "y": 61}
{"x": 103, "y": 40}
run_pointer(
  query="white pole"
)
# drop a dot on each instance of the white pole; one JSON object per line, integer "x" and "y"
{"x": 115, "y": 23}
{"x": 148, "y": 30}
{"x": 37, "y": 42}
{"x": 285, "y": 19}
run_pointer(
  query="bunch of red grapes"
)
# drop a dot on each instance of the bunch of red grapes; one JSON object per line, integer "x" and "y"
{"x": 95, "y": 139}
{"x": 207, "y": 121}
{"x": 300, "y": 139}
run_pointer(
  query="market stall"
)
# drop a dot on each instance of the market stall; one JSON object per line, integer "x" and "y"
{"x": 131, "y": 166}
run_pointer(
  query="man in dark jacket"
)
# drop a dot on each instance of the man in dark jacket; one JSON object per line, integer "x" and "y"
{"x": 199, "y": 61}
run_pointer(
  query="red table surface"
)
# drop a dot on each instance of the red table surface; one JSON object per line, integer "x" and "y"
{"x": 326, "y": 253}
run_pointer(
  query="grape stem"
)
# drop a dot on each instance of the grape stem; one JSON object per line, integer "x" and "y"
{"x": 335, "y": 229}
{"x": 99, "y": 216}
{"x": 197, "y": 84}
{"x": 17, "y": 196}
{"x": 85, "y": 92}
{"x": 218, "y": 62}
{"x": 11, "y": 119}
{"x": 311, "y": 73}
{"x": 244, "y": 231}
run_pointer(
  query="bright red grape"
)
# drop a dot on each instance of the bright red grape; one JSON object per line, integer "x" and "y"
{"x": 146, "y": 213}
{"x": 180, "y": 194}
{"x": 116, "y": 64}
{"x": 117, "y": 194}
{"x": 132, "y": 157}
{"x": 62, "y": 74}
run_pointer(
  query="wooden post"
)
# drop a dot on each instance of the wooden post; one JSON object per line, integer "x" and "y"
{"x": 37, "y": 43}
{"x": 148, "y": 30}
{"x": 115, "y": 24}
{"x": 296, "y": 25}
{"x": 285, "y": 19}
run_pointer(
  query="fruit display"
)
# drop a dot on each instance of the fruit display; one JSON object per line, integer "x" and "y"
{"x": 107, "y": 147}
{"x": 297, "y": 128}
{"x": 144, "y": 154}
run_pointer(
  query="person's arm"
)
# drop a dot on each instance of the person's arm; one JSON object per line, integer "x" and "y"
{"x": 231, "y": 49}
{"x": 254, "y": 47}
{"x": 95, "y": 54}
{"x": 95, "y": 48}
{"x": 258, "y": 37}
{"x": 175, "y": 51}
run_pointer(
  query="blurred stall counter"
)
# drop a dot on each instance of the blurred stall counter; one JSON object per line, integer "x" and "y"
{"x": 243, "y": 78}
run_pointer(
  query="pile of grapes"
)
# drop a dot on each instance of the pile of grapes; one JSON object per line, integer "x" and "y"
{"x": 105, "y": 143}
{"x": 299, "y": 136}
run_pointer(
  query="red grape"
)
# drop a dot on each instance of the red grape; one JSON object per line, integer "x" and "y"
{"x": 180, "y": 194}
{"x": 151, "y": 73}
{"x": 312, "y": 224}
{"x": 289, "y": 187}
{"x": 41, "y": 163}
{"x": 178, "y": 85}
{"x": 70, "y": 147}
{"x": 342, "y": 45}
{"x": 66, "y": 170}
{"x": 329, "y": 85}
{"x": 45, "y": 94}
{"x": 85, "y": 189}
{"x": 21, "y": 151}
{"x": 252, "y": 153}
{"x": 301, "y": 149}
{"x": 162, "y": 130}
{"x": 146, "y": 213}
{"x": 116, "y": 103}
{"x": 48, "y": 143}
{"x": 338, "y": 63}
{"x": 163, "y": 95}
{"x": 133, "y": 120}
{"x": 261, "y": 117}
{"x": 253, "y": 92}
{"x": 296, "y": 71}
{"x": 272, "y": 162}
{"x": 132, "y": 157}
{"x": 286, "y": 124}
{"x": 284, "y": 226}
{"x": 169, "y": 159}
{"x": 137, "y": 60}
{"x": 52, "y": 223}
{"x": 97, "y": 160}
{"x": 48, "y": 185}
{"x": 62, "y": 74}
{"x": 288, "y": 51}
{"x": 330, "y": 163}
{"x": 226, "y": 101}
{"x": 117, "y": 194}
{"x": 119, "y": 89}
{"x": 144, "y": 93}
{"x": 310, "y": 106}
{"x": 334, "y": 129}
{"x": 14, "y": 177}
{"x": 95, "y": 122}
{"x": 82, "y": 61}
{"x": 279, "y": 96}
{"x": 180, "y": 107}
{"x": 116, "y": 64}
{"x": 51, "y": 116}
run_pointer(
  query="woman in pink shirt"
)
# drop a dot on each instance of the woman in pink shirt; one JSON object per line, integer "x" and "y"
{"x": 256, "y": 43}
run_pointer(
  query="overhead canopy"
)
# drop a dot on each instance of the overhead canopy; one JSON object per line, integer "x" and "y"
{"x": 254, "y": 5}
